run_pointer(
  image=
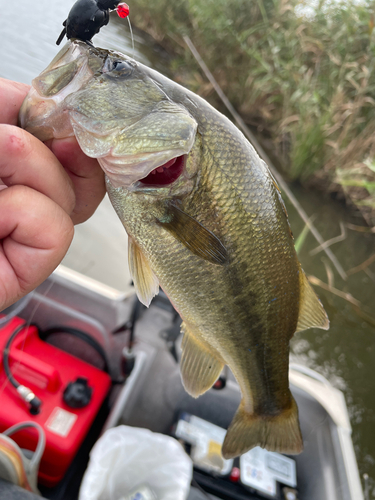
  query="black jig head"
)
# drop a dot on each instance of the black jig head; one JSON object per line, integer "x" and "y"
{"x": 87, "y": 17}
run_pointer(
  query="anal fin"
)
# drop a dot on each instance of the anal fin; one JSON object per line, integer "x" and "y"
{"x": 280, "y": 433}
{"x": 145, "y": 282}
{"x": 311, "y": 310}
{"x": 200, "y": 365}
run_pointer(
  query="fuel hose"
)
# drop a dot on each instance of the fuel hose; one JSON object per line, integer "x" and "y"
{"x": 25, "y": 393}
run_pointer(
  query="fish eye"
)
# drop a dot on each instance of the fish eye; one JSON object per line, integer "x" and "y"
{"x": 121, "y": 68}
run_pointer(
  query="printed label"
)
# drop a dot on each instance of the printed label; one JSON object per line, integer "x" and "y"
{"x": 61, "y": 421}
{"x": 206, "y": 440}
{"x": 260, "y": 469}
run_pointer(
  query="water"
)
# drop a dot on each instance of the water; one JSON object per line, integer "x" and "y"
{"x": 28, "y": 32}
{"x": 346, "y": 353}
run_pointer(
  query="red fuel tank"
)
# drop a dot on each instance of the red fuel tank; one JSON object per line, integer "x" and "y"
{"x": 48, "y": 371}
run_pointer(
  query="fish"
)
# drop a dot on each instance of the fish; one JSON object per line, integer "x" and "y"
{"x": 206, "y": 222}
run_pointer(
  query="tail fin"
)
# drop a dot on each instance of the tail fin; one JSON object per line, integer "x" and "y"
{"x": 279, "y": 433}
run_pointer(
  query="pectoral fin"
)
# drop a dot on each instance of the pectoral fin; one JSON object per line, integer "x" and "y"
{"x": 145, "y": 282}
{"x": 200, "y": 366}
{"x": 311, "y": 310}
{"x": 194, "y": 236}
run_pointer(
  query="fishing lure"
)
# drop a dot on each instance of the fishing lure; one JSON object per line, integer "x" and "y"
{"x": 87, "y": 17}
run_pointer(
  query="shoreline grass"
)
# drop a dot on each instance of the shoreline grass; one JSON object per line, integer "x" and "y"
{"x": 307, "y": 83}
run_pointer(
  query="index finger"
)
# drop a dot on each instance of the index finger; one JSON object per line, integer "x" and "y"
{"x": 12, "y": 95}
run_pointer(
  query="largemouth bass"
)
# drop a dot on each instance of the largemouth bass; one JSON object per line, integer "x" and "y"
{"x": 205, "y": 221}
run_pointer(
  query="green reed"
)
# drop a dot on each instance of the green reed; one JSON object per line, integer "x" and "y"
{"x": 305, "y": 82}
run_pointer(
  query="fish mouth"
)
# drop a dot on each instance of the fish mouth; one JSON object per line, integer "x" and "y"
{"x": 165, "y": 174}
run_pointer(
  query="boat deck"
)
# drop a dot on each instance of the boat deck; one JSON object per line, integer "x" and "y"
{"x": 153, "y": 395}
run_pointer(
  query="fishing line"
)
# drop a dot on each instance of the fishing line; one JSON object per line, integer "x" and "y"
{"x": 132, "y": 37}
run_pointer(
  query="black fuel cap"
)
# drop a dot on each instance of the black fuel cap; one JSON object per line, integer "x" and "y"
{"x": 78, "y": 393}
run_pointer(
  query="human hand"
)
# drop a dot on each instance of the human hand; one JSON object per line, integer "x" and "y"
{"x": 43, "y": 191}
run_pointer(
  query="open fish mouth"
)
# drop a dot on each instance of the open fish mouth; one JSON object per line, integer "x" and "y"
{"x": 144, "y": 170}
{"x": 165, "y": 174}
{"x": 141, "y": 138}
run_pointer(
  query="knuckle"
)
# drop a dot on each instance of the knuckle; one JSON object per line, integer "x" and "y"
{"x": 16, "y": 142}
{"x": 68, "y": 199}
{"x": 63, "y": 231}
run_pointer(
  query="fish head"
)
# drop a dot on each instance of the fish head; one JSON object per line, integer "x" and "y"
{"x": 120, "y": 112}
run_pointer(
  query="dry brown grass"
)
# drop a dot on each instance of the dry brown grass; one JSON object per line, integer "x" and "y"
{"x": 307, "y": 84}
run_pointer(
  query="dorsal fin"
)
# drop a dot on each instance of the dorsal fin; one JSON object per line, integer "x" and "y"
{"x": 311, "y": 310}
{"x": 145, "y": 282}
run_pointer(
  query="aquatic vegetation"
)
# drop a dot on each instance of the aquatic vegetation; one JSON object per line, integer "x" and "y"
{"x": 304, "y": 78}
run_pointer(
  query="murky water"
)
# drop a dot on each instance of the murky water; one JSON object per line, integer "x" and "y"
{"x": 346, "y": 353}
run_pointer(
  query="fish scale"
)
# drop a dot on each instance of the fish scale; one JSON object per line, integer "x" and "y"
{"x": 234, "y": 235}
{"x": 216, "y": 237}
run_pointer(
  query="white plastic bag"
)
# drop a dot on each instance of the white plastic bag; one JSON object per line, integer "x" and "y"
{"x": 125, "y": 457}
